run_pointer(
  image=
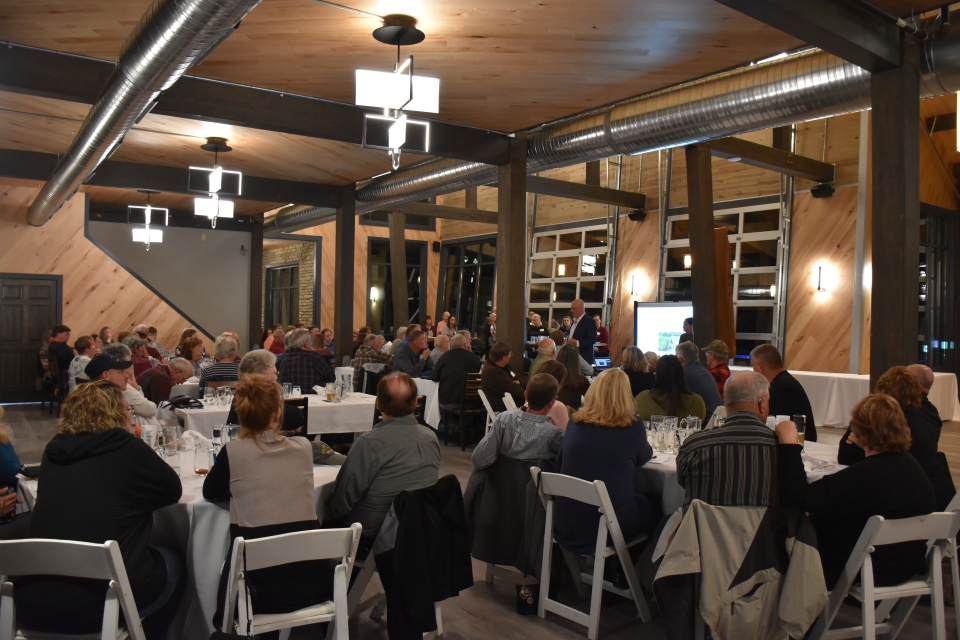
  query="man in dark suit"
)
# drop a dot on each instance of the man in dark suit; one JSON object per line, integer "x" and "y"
{"x": 451, "y": 369}
{"x": 584, "y": 331}
{"x": 787, "y": 396}
{"x": 498, "y": 379}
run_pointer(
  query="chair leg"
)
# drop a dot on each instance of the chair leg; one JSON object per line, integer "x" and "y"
{"x": 285, "y": 633}
{"x": 936, "y": 595}
{"x": 955, "y": 583}
{"x": 596, "y": 594}
{"x": 573, "y": 564}
{"x": 901, "y": 612}
{"x": 489, "y": 577}
{"x": 436, "y": 609}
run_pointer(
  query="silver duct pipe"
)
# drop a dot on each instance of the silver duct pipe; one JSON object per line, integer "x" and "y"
{"x": 297, "y": 217}
{"x": 803, "y": 86}
{"x": 169, "y": 39}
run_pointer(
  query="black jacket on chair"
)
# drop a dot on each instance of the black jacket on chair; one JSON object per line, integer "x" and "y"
{"x": 430, "y": 560}
{"x": 495, "y": 502}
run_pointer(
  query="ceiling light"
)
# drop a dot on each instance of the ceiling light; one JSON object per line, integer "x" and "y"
{"x": 147, "y": 235}
{"x": 213, "y": 208}
{"x": 216, "y": 179}
{"x": 398, "y": 133}
{"x": 216, "y": 182}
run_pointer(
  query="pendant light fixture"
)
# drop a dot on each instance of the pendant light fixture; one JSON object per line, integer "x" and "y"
{"x": 216, "y": 182}
{"x": 147, "y": 235}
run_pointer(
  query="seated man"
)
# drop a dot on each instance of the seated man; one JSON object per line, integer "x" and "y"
{"x": 734, "y": 465}
{"x": 304, "y": 367}
{"x": 546, "y": 350}
{"x": 143, "y": 332}
{"x": 369, "y": 352}
{"x": 226, "y": 368}
{"x": 399, "y": 340}
{"x": 413, "y": 358}
{"x": 157, "y": 382}
{"x": 524, "y": 434}
{"x": 59, "y": 350}
{"x": 143, "y": 408}
{"x": 928, "y": 412}
{"x": 787, "y": 397}
{"x": 699, "y": 380}
{"x": 497, "y": 378}
{"x": 440, "y": 346}
{"x": 717, "y": 355}
{"x": 399, "y": 454}
{"x": 107, "y": 367}
{"x": 153, "y": 344}
{"x": 451, "y": 370}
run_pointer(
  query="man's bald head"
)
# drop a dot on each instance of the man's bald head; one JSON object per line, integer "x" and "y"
{"x": 924, "y": 375}
{"x": 547, "y": 347}
{"x": 397, "y": 395}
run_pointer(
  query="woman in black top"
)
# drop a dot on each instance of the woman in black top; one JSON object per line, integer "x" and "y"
{"x": 99, "y": 482}
{"x": 900, "y": 384}
{"x": 637, "y": 368}
{"x": 575, "y": 385}
{"x": 888, "y": 482}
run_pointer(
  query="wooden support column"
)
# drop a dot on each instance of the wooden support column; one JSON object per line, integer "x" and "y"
{"x": 781, "y": 138}
{"x": 471, "y": 198}
{"x": 895, "y": 217}
{"x": 726, "y": 328}
{"x": 512, "y": 250}
{"x": 255, "y": 323}
{"x": 703, "y": 254}
{"x": 398, "y": 270}
{"x": 346, "y": 231}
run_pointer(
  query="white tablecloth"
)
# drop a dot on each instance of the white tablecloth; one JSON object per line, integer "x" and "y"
{"x": 659, "y": 476}
{"x": 201, "y": 530}
{"x": 833, "y": 395}
{"x": 190, "y": 388}
{"x": 353, "y": 415}
{"x": 429, "y": 389}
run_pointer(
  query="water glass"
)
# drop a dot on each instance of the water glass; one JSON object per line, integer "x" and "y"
{"x": 202, "y": 459}
{"x": 296, "y": 392}
{"x": 691, "y": 423}
{"x": 171, "y": 439}
{"x": 287, "y": 389}
{"x": 233, "y": 432}
{"x": 679, "y": 436}
{"x": 338, "y": 391}
{"x": 209, "y": 396}
{"x": 801, "y": 422}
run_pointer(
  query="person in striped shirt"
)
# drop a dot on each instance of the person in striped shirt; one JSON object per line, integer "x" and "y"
{"x": 226, "y": 368}
{"x": 736, "y": 464}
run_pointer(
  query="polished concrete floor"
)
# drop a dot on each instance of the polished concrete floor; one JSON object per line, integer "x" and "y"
{"x": 488, "y": 610}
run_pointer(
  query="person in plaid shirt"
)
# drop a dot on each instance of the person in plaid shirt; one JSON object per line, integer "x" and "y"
{"x": 304, "y": 367}
{"x": 369, "y": 352}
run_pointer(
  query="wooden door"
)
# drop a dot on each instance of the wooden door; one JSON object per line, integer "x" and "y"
{"x": 29, "y": 305}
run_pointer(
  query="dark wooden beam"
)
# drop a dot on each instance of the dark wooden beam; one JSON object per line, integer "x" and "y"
{"x": 512, "y": 250}
{"x": 449, "y": 213}
{"x": 593, "y": 174}
{"x": 255, "y": 323}
{"x": 842, "y": 28}
{"x": 32, "y": 165}
{"x": 346, "y": 231}
{"x": 895, "y": 217}
{"x": 943, "y": 122}
{"x": 585, "y": 192}
{"x": 398, "y": 269}
{"x": 782, "y": 139}
{"x": 470, "y": 198}
{"x": 703, "y": 254}
{"x": 763, "y": 157}
{"x": 50, "y": 74}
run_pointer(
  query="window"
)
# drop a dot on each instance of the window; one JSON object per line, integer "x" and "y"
{"x": 756, "y": 250}
{"x": 467, "y": 282}
{"x": 568, "y": 264}
{"x": 380, "y": 285}
{"x": 282, "y": 294}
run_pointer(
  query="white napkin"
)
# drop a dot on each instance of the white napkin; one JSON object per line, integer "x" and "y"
{"x": 193, "y": 379}
{"x": 192, "y": 438}
{"x": 813, "y": 464}
{"x": 659, "y": 458}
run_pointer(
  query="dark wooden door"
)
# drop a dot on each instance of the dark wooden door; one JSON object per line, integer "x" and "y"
{"x": 29, "y": 305}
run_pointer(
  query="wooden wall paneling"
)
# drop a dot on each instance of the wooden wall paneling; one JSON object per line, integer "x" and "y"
{"x": 638, "y": 257}
{"x": 937, "y": 185}
{"x": 843, "y": 147}
{"x": 818, "y": 324}
{"x": 97, "y": 292}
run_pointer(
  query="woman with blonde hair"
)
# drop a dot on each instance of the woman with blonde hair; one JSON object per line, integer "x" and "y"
{"x": 99, "y": 483}
{"x": 903, "y": 386}
{"x": 605, "y": 441}
{"x": 638, "y": 370}
{"x": 888, "y": 482}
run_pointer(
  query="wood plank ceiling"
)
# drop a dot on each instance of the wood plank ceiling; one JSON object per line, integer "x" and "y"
{"x": 503, "y": 65}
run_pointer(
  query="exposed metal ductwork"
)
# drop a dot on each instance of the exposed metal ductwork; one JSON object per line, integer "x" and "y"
{"x": 171, "y": 37}
{"x": 297, "y": 217}
{"x": 807, "y": 85}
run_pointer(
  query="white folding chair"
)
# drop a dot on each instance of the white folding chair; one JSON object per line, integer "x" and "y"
{"x": 491, "y": 414}
{"x": 595, "y": 494}
{"x": 950, "y": 551}
{"x": 73, "y": 560}
{"x": 317, "y": 544}
{"x": 509, "y": 403}
{"x": 719, "y": 412}
{"x": 897, "y": 601}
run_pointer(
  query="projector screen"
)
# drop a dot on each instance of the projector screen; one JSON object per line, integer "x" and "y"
{"x": 659, "y": 325}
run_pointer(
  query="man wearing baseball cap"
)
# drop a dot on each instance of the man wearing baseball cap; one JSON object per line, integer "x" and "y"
{"x": 106, "y": 367}
{"x": 717, "y": 356}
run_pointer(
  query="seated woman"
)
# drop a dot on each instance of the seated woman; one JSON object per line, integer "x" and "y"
{"x": 226, "y": 368}
{"x": 86, "y": 348}
{"x": 268, "y": 479}
{"x": 576, "y": 384}
{"x": 669, "y": 395}
{"x": 192, "y": 350}
{"x": 900, "y": 384}
{"x": 559, "y": 415}
{"x": 605, "y": 441}
{"x": 276, "y": 347}
{"x": 638, "y": 370}
{"x": 99, "y": 483}
{"x": 888, "y": 482}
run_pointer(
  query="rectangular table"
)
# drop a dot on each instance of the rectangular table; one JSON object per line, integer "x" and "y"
{"x": 429, "y": 389}
{"x": 353, "y": 415}
{"x": 833, "y": 395}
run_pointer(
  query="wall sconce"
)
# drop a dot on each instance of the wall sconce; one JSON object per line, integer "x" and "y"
{"x": 561, "y": 269}
{"x": 687, "y": 261}
{"x": 820, "y": 288}
{"x": 373, "y": 294}
{"x": 633, "y": 285}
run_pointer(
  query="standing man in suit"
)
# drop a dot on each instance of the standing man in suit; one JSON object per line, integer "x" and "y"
{"x": 583, "y": 332}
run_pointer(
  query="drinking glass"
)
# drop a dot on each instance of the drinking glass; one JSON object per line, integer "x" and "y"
{"x": 691, "y": 423}
{"x": 202, "y": 459}
{"x": 13, "y": 513}
{"x": 209, "y": 396}
{"x": 296, "y": 392}
{"x": 678, "y": 437}
{"x": 171, "y": 439}
{"x": 331, "y": 391}
{"x": 233, "y": 432}
{"x": 801, "y": 422}
{"x": 287, "y": 389}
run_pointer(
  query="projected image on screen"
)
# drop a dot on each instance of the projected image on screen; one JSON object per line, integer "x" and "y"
{"x": 660, "y": 325}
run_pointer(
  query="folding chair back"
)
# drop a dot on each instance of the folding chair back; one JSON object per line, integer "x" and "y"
{"x": 302, "y": 546}
{"x": 509, "y": 403}
{"x": 72, "y": 560}
{"x": 938, "y": 529}
{"x": 491, "y": 414}
{"x": 553, "y": 485}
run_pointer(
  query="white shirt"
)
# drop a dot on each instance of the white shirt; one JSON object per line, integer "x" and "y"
{"x": 575, "y": 321}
